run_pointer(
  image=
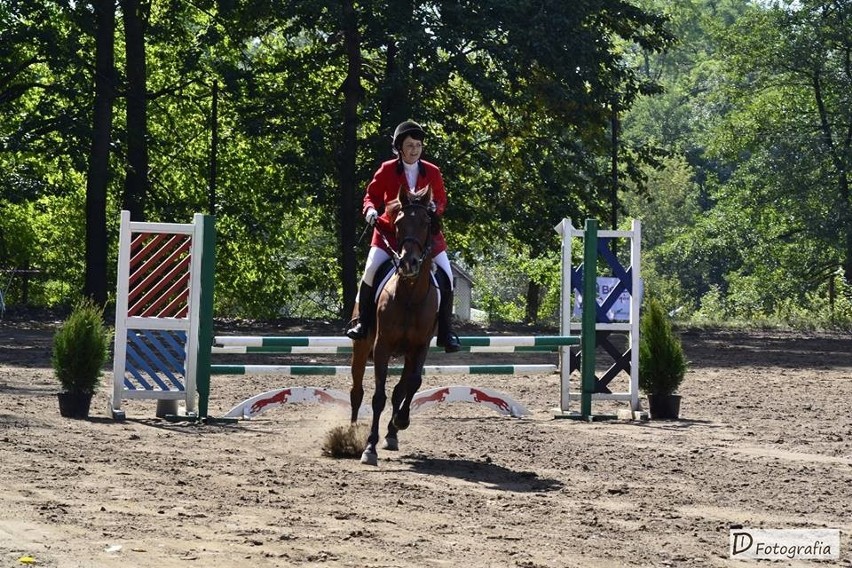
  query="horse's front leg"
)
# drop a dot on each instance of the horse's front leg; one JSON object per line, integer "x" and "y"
{"x": 412, "y": 378}
{"x": 391, "y": 439}
{"x": 360, "y": 354}
{"x": 380, "y": 364}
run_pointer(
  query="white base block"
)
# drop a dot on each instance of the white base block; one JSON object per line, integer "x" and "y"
{"x": 166, "y": 407}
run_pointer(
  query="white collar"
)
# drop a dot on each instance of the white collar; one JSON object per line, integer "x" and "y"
{"x": 411, "y": 171}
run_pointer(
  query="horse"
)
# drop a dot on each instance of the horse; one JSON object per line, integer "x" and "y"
{"x": 406, "y": 316}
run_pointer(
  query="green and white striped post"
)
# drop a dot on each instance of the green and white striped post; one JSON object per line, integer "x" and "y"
{"x": 205, "y": 323}
{"x": 588, "y": 337}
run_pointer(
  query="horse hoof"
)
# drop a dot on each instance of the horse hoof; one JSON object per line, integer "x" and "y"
{"x": 391, "y": 444}
{"x": 370, "y": 458}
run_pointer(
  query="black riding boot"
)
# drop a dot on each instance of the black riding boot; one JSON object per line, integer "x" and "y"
{"x": 446, "y": 338}
{"x": 366, "y": 313}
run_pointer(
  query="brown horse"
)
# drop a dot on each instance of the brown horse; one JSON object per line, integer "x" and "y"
{"x": 406, "y": 315}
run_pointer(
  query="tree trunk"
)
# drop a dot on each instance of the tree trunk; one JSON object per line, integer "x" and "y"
{"x": 95, "y": 285}
{"x": 847, "y": 223}
{"x": 533, "y": 302}
{"x": 136, "y": 170}
{"x": 838, "y": 150}
{"x": 214, "y": 149}
{"x": 392, "y": 108}
{"x": 348, "y": 155}
{"x": 616, "y": 132}
{"x": 397, "y": 88}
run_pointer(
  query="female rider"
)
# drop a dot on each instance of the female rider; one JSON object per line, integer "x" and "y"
{"x": 408, "y": 169}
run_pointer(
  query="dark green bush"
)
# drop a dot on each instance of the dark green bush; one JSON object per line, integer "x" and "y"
{"x": 662, "y": 363}
{"x": 80, "y": 348}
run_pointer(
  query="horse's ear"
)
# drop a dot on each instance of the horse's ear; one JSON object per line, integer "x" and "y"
{"x": 424, "y": 195}
{"x": 403, "y": 197}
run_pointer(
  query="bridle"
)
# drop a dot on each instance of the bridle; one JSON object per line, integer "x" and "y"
{"x": 425, "y": 247}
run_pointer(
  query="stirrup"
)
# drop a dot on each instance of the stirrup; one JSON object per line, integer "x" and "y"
{"x": 358, "y": 332}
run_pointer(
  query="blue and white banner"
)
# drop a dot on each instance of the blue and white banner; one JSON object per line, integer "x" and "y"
{"x": 620, "y": 310}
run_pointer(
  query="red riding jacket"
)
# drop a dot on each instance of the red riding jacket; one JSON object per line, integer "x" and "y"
{"x": 384, "y": 188}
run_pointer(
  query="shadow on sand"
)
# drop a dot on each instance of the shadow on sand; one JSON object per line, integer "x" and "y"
{"x": 484, "y": 473}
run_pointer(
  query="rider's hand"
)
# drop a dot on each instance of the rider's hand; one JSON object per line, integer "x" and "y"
{"x": 432, "y": 207}
{"x": 370, "y": 216}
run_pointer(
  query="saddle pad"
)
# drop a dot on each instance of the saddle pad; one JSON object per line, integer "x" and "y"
{"x": 391, "y": 270}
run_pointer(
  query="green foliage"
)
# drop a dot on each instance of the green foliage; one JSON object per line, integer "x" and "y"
{"x": 518, "y": 106}
{"x": 17, "y": 238}
{"x": 767, "y": 221}
{"x": 829, "y": 306}
{"x": 80, "y": 348}
{"x": 822, "y": 309}
{"x": 667, "y": 209}
{"x": 736, "y": 168}
{"x": 669, "y": 204}
{"x": 43, "y": 236}
{"x": 712, "y": 308}
{"x": 662, "y": 363}
{"x": 498, "y": 292}
{"x": 266, "y": 274}
{"x": 669, "y": 288}
{"x": 501, "y": 279}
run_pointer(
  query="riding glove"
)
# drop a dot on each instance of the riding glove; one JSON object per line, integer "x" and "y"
{"x": 371, "y": 216}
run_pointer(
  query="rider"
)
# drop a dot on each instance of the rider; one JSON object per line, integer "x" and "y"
{"x": 407, "y": 168}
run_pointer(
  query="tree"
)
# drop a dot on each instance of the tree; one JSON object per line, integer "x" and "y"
{"x": 98, "y": 177}
{"x": 135, "y": 16}
{"x": 347, "y": 152}
{"x": 527, "y": 90}
{"x": 517, "y": 98}
{"x": 789, "y": 85}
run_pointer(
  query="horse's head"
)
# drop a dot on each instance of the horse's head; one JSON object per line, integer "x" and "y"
{"x": 413, "y": 234}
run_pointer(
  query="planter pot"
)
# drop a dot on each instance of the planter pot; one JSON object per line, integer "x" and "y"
{"x": 74, "y": 404}
{"x": 664, "y": 406}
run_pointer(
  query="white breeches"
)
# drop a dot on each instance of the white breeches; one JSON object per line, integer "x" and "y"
{"x": 378, "y": 256}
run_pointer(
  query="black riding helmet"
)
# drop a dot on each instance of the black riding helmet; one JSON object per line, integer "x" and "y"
{"x": 407, "y": 128}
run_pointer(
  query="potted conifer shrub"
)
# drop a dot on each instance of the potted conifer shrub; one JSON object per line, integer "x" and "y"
{"x": 80, "y": 349}
{"x": 662, "y": 363}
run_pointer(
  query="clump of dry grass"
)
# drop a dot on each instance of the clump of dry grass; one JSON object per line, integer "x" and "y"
{"x": 346, "y": 441}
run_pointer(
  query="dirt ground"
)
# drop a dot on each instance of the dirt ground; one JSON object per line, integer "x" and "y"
{"x": 765, "y": 441}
